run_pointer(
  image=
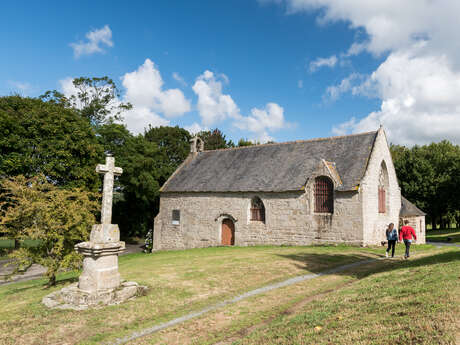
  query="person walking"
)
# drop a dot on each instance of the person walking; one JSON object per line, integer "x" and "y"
{"x": 392, "y": 237}
{"x": 406, "y": 234}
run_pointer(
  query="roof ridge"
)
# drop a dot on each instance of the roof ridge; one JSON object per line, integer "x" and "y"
{"x": 291, "y": 142}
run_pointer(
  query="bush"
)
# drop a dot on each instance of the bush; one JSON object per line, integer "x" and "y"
{"x": 47, "y": 221}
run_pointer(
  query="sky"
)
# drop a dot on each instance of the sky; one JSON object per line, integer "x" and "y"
{"x": 261, "y": 70}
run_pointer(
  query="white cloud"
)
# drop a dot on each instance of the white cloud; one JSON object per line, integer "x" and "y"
{"x": 323, "y": 62}
{"x": 177, "y": 77}
{"x": 195, "y": 128}
{"x": 213, "y": 106}
{"x": 96, "y": 39}
{"x": 300, "y": 84}
{"x": 420, "y": 100}
{"x": 144, "y": 89}
{"x": 139, "y": 118}
{"x": 420, "y": 76}
{"x": 20, "y": 86}
{"x": 347, "y": 84}
{"x": 270, "y": 118}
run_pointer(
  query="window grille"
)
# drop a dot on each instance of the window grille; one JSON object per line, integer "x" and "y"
{"x": 324, "y": 195}
{"x": 257, "y": 210}
{"x": 382, "y": 200}
{"x": 176, "y": 217}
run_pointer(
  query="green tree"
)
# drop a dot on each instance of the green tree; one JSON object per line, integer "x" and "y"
{"x": 38, "y": 137}
{"x": 245, "y": 142}
{"x": 97, "y": 100}
{"x": 145, "y": 169}
{"x": 428, "y": 175}
{"x": 173, "y": 141}
{"x": 57, "y": 218}
{"x": 215, "y": 139}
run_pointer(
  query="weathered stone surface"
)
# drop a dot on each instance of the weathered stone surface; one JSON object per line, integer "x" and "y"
{"x": 100, "y": 266}
{"x": 418, "y": 223}
{"x": 103, "y": 233}
{"x": 72, "y": 297}
{"x": 110, "y": 171}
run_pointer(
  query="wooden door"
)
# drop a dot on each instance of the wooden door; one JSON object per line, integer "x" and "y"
{"x": 228, "y": 232}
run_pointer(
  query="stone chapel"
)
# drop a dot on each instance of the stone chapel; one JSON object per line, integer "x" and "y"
{"x": 330, "y": 190}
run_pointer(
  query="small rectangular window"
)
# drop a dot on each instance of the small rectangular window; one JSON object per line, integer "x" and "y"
{"x": 175, "y": 217}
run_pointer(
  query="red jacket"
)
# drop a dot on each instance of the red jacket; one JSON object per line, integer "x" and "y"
{"x": 406, "y": 233}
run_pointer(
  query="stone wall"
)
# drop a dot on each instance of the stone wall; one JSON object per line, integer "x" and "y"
{"x": 375, "y": 223}
{"x": 289, "y": 219}
{"x": 418, "y": 223}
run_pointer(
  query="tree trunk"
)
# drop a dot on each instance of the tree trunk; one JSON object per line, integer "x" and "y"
{"x": 433, "y": 222}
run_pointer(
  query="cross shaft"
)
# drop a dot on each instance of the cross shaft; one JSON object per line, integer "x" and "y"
{"x": 110, "y": 171}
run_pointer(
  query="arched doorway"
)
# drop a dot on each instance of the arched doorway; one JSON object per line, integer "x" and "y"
{"x": 228, "y": 232}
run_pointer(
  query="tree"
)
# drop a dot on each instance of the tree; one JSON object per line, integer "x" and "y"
{"x": 215, "y": 139}
{"x": 38, "y": 137}
{"x": 244, "y": 142}
{"x": 429, "y": 176}
{"x": 96, "y": 99}
{"x": 173, "y": 141}
{"x": 145, "y": 169}
{"x": 57, "y": 218}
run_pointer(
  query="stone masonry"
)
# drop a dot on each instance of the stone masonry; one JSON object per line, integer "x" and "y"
{"x": 100, "y": 282}
{"x": 289, "y": 216}
{"x": 375, "y": 223}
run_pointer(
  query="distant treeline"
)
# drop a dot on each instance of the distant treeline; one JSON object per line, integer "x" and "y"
{"x": 429, "y": 176}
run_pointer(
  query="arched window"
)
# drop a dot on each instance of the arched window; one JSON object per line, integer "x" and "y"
{"x": 257, "y": 210}
{"x": 383, "y": 187}
{"x": 324, "y": 195}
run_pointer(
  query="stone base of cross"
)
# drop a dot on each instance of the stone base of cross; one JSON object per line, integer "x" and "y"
{"x": 100, "y": 259}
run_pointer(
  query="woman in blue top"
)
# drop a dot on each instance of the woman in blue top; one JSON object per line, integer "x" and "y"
{"x": 392, "y": 237}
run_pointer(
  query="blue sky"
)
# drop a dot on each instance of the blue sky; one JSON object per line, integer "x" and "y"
{"x": 279, "y": 69}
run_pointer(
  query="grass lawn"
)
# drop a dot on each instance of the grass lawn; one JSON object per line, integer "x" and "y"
{"x": 353, "y": 306}
{"x": 442, "y": 235}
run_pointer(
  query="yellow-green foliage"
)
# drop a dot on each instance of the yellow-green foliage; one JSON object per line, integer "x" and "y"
{"x": 36, "y": 209}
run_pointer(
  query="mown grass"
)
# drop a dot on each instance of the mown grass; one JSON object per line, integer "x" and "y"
{"x": 443, "y": 235}
{"x": 416, "y": 302}
{"x": 179, "y": 281}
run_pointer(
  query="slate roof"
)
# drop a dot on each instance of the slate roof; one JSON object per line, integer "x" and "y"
{"x": 273, "y": 167}
{"x": 408, "y": 209}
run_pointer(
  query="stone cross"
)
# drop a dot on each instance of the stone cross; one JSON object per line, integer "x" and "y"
{"x": 109, "y": 170}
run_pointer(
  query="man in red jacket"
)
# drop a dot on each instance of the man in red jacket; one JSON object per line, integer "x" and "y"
{"x": 406, "y": 234}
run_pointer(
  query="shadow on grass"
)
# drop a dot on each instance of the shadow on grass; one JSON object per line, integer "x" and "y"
{"x": 318, "y": 263}
{"x": 40, "y": 283}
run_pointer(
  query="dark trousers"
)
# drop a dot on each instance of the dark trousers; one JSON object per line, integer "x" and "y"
{"x": 391, "y": 245}
{"x": 407, "y": 243}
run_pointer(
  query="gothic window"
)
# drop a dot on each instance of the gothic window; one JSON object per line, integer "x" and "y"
{"x": 257, "y": 210}
{"x": 383, "y": 186}
{"x": 176, "y": 217}
{"x": 324, "y": 195}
